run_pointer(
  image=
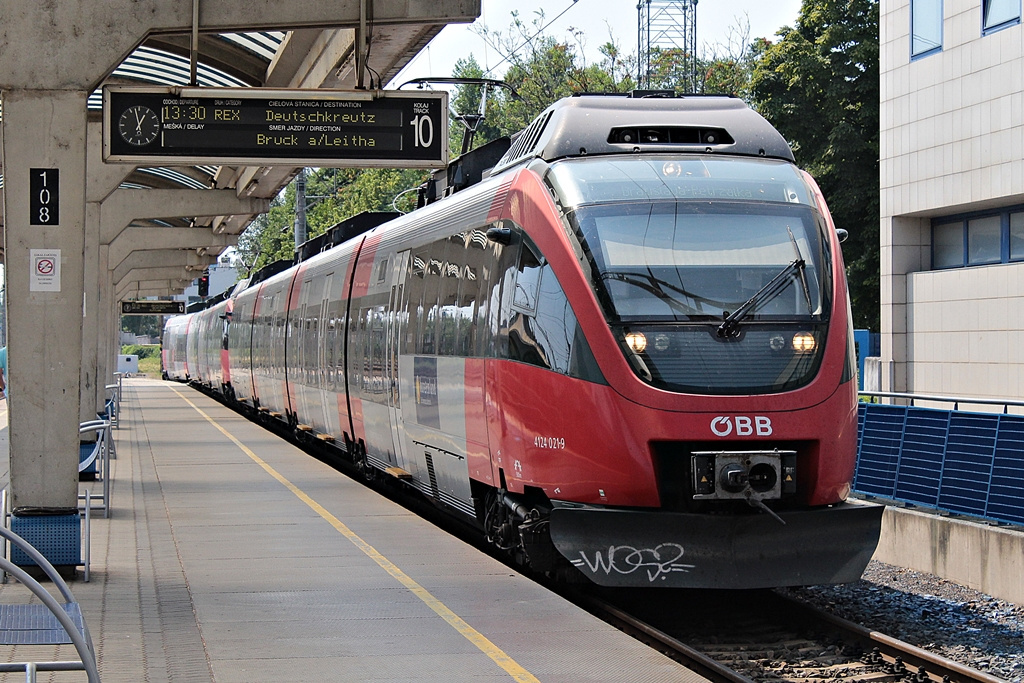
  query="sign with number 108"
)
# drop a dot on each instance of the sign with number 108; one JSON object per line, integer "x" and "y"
{"x": 44, "y": 196}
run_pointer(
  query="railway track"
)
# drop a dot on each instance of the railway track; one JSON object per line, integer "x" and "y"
{"x": 764, "y": 637}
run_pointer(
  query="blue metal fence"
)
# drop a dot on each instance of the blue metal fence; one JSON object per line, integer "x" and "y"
{"x": 971, "y": 463}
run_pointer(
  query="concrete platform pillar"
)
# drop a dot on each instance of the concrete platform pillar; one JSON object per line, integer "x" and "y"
{"x": 44, "y": 134}
{"x": 102, "y": 181}
{"x": 108, "y": 328}
{"x": 91, "y": 303}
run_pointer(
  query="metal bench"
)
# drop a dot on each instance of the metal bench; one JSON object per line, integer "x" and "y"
{"x": 49, "y": 623}
{"x": 96, "y": 457}
{"x": 112, "y": 408}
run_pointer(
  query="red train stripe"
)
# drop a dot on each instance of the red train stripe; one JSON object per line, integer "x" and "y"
{"x": 357, "y": 419}
{"x": 477, "y": 449}
{"x": 364, "y": 266}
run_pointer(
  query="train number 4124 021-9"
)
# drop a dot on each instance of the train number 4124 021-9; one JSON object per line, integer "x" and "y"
{"x": 552, "y": 442}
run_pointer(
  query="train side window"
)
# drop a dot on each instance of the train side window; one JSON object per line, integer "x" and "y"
{"x": 468, "y": 289}
{"x": 415, "y": 285}
{"x": 431, "y": 294}
{"x": 451, "y": 276}
{"x": 527, "y": 280}
{"x": 480, "y": 260}
{"x": 502, "y": 288}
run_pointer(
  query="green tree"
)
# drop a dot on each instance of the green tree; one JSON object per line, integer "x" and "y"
{"x": 332, "y": 195}
{"x": 466, "y": 103}
{"x": 727, "y": 68}
{"x": 543, "y": 70}
{"x": 141, "y": 325}
{"x": 359, "y": 190}
{"x": 818, "y": 85}
{"x": 271, "y": 237}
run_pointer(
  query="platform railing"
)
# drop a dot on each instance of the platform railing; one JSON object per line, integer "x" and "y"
{"x": 956, "y": 401}
{"x": 957, "y": 461}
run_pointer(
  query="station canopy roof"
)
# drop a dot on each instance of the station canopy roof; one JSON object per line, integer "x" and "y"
{"x": 228, "y": 60}
{"x": 237, "y": 60}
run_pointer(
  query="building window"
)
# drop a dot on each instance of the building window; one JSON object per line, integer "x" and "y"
{"x": 1016, "y": 236}
{"x": 998, "y": 14}
{"x": 983, "y": 240}
{"x": 947, "y": 245}
{"x": 978, "y": 239}
{"x": 925, "y": 27}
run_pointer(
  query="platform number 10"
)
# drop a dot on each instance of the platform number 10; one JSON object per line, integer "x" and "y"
{"x": 44, "y": 196}
{"x": 423, "y": 131}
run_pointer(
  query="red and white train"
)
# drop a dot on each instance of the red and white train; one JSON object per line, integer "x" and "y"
{"x": 628, "y": 347}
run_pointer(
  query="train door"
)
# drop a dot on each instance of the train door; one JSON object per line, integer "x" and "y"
{"x": 277, "y": 354}
{"x": 394, "y": 346}
{"x": 324, "y": 349}
{"x": 307, "y": 384}
{"x": 297, "y": 361}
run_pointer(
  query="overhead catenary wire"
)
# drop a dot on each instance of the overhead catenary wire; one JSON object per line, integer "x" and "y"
{"x": 530, "y": 39}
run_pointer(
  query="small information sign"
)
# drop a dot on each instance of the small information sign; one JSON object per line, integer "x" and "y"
{"x": 45, "y": 270}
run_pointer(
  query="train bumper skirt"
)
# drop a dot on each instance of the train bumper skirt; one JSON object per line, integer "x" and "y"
{"x": 627, "y": 548}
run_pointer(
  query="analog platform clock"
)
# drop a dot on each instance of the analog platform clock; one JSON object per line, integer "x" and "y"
{"x": 139, "y": 125}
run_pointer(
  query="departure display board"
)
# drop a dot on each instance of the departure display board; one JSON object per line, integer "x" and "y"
{"x": 328, "y": 128}
{"x": 162, "y": 307}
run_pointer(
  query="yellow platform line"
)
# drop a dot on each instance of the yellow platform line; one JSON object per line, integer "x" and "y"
{"x": 478, "y": 639}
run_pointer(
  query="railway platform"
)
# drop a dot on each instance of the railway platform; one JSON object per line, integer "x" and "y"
{"x": 231, "y": 556}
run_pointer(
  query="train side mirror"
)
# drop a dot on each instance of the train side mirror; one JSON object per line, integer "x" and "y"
{"x": 500, "y": 235}
{"x": 842, "y": 234}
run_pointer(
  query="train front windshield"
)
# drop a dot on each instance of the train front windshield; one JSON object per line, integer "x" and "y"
{"x": 713, "y": 271}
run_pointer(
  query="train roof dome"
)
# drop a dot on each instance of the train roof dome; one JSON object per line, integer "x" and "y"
{"x": 627, "y": 123}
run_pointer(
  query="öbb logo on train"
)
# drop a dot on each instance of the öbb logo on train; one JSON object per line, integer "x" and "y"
{"x": 742, "y": 425}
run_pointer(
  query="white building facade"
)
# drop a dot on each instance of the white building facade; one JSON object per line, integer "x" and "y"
{"x": 952, "y": 197}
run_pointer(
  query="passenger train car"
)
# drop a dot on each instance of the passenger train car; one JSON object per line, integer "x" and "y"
{"x": 627, "y": 349}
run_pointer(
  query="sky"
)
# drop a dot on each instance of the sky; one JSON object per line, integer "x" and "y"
{"x": 715, "y": 20}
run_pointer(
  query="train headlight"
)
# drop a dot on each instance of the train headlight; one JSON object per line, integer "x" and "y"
{"x": 636, "y": 341}
{"x": 661, "y": 341}
{"x": 804, "y": 342}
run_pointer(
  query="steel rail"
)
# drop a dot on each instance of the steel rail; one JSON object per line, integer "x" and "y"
{"x": 698, "y": 661}
{"x": 939, "y": 668}
{"x": 919, "y": 665}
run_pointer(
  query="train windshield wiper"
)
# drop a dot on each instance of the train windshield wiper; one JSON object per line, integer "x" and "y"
{"x": 771, "y": 289}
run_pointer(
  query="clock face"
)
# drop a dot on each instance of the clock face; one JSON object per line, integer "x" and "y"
{"x": 139, "y": 125}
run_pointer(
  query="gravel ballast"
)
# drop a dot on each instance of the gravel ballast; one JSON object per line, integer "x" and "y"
{"x": 932, "y": 613}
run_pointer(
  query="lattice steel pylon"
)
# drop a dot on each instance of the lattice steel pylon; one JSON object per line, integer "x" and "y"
{"x": 667, "y": 26}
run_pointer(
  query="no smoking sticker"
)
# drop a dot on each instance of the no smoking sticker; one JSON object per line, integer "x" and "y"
{"x": 45, "y": 265}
